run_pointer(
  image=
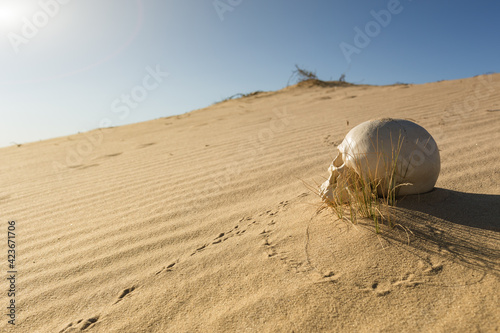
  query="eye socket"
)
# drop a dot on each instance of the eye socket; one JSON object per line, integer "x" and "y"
{"x": 338, "y": 161}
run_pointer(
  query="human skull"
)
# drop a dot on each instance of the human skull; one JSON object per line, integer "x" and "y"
{"x": 392, "y": 153}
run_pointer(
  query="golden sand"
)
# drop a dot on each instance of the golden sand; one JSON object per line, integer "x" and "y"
{"x": 202, "y": 222}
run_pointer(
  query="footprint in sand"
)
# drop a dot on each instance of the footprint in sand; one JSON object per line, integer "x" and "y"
{"x": 386, "y": 287}
{"x": 429, "y": 267}
{"x": 80, "y": 325}
{"x": 223, "y": 236}
{"x": 380, "y": 289}
{"x": 144, "y": 145}
{"x": 326, "y": 277}
{"x": 238, "y": 231}
{"x": 82, "y": 167}
{"x": 408, "y": 281}
{"x": 124, "y": 293}
{"x": 269, "y": 248}
{"x": 271, "y": 252}
{"x": 273, "y": 212}
{"x": 168, "y": 268}
{"x": 434, "y": 269}
{"x": 89, "y": 322}
{"x": 219, "y": 238}
{"x": 112, "y": 155}
{"x": 199, "y": 249}
{"x": 328, "y": 140}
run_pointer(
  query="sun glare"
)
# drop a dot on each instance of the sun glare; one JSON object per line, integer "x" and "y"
{"x": 11, "y": 14}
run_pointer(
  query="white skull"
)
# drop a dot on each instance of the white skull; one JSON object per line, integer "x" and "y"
{"x": 378, "y": 149}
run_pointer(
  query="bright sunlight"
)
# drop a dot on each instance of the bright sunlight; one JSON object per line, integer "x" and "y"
{"x": 11, "y": 14}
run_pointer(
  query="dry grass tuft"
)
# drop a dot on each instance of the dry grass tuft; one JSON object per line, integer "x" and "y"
{"x": 367, "y": 196}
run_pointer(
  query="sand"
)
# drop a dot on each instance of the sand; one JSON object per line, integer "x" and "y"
{"x": 203, "y": 223}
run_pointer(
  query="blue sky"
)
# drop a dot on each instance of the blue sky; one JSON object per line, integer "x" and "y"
{"x": 69, "y": 66}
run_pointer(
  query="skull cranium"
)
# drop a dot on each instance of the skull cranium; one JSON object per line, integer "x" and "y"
{"x": 393, "y": 153}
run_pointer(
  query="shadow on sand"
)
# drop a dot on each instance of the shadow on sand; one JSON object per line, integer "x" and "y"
{"x": 464, "y": 227}
{"x": 468, "y": 209}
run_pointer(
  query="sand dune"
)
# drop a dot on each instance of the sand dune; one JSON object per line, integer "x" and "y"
{"x": 202, "y": 222}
